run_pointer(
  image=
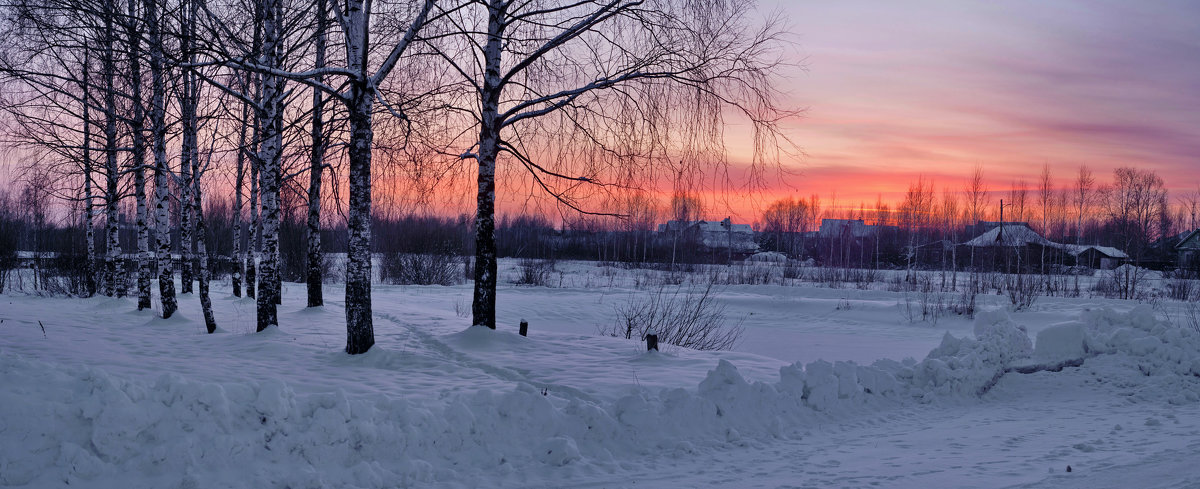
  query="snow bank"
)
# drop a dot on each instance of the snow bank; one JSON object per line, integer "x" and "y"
{"x": 84, "y": 427}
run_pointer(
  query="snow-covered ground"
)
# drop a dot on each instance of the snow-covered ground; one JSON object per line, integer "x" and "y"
{"x": 95, "y": 394}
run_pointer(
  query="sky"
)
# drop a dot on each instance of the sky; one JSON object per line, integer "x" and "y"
{"x": 896, "y": 90}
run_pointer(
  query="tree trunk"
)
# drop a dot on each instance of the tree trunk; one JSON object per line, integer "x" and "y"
{"x": 255, "y": 228}
{"x": 137, "y": 128}
{"x": 271, "y": 116}
{"x": 201, "y": 237}
{"x": 89, "y": 231}
{"x": 185, "y": 196}
{"x": 112, "y": 267}
{"x": 188, "y": 152}
{"x": 483, "y": 306}
{"x": 158, "y": 126}
{"x": 205, "y": 302}
{"x": 315, "y": 296}
{"x": 239, "y": 254}
{"x": 360, "y": 329}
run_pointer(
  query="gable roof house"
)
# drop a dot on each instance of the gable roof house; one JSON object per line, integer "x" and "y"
{"x": 1011, "y": 235}
{"x": 1095, "y": 256}
{"x": 714, "y": 235}
{"x": 845, "y": 228}
{"x": 1188, "y": 250}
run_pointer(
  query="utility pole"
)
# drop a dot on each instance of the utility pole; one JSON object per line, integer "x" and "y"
{"x": 728, "y": 223}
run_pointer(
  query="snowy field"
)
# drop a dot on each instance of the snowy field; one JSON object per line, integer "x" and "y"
{"x": 829, "y": 388}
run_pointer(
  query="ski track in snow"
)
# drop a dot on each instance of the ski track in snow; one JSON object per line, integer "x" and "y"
{"x": 451, "y": 390}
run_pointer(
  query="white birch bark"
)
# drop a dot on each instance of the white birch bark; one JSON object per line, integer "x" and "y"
{"x": 239, "y": 252}
{"x": 137, "y": 129}
{"x": 483, "y": 305}
{"x": 112, "y": 266}
{"x": 89, "y": 229}
{"x": 271, "y": 117}
{"x": 158, "y": 128}
{"x": 360, "y": 329}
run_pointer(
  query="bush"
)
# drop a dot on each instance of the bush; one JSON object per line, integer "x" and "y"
{"x": 534, "y": 272}
{"x": 681, "y": 316}
{"x": 1022, "y": 291}
{"x": 1181, "y": 289}
{"x": 419, "y": 269}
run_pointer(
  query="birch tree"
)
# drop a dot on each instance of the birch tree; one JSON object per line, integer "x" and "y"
{"x": 137, "y": 130}
{"x": 112, "y": 172}
{"x": 158, "y": 127}
{"x": 47, "y": 71}
{"x": 356, "y": 86}
{"x": 1083, "y": 198}
{"x": 620, "y": 91}
{"x": 316, "y": 168}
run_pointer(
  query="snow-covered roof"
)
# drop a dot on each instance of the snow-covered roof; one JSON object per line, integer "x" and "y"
{"x": 855, "y": 227}
{"x": 705, "y": 226}
{"x": 719, "y": 227}
{"x": 1190, "y": 241}
{"x": 1076, "y": 250}
{"x": 1014, "y": 235}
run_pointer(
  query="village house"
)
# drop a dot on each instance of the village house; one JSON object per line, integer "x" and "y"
{"x": 712, "y": 235}
{"x": 1188, "y": 251}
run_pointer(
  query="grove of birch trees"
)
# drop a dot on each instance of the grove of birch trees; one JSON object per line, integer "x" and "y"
{"x": 156, "y": 105}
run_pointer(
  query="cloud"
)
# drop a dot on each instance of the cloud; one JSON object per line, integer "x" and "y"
{"x": 939, "y": 87}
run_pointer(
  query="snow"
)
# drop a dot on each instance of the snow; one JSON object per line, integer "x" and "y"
{"x": 826, "y": 391}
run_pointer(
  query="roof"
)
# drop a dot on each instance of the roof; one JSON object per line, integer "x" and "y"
{"x": 1014, "y": 235}
{"x": 1190, "y": 242}
{"x": 720, "y": 227}
{"x": 1109, "y": 251}
{"x": 855, "y": 227}
{"x": 705, "y": 226}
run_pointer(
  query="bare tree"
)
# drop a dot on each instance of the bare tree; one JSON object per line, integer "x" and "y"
{"x": 607, "y": 78}
{"x": 1019, "y": 199}
{"x": 360, "y": 81}
{"x": 1082, "y": 199}
{"x": 137, "y": 129}
{"x": 112, "y": 171}
{"x": 158, "y": 127}
{"x": 239, "y": 251}
{"x": 977, "y": 196}
{"x": 977, "y": 200}
{"x": 317, "y": 166}
{"x": 1135, "y": 204}
{"x": 1045, "y": 201}
{"x": 1190, "y": 206}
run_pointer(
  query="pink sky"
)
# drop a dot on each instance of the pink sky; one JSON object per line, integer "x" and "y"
{"x": 897, "y": 90}
{"x": 893, "y": 90}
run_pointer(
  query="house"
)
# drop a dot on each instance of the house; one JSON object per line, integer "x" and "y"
{"x": 1011, "y": 246}
{"x": 713, "y": 235}
{"x": 938, "y": 254}
{"x": 1094, "y": 256}
{"x": 1188, "y": 251}
{"x": 845, "y": 228}
{"x": 1011, "y": 235}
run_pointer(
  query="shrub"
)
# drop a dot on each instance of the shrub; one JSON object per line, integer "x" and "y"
{"x": 419, "y": 269}
{"x": 534, "y": 272}
{"x": 685, "y": 316}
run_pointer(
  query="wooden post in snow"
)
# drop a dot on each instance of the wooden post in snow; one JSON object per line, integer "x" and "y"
{"x": 651, "y": 342}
